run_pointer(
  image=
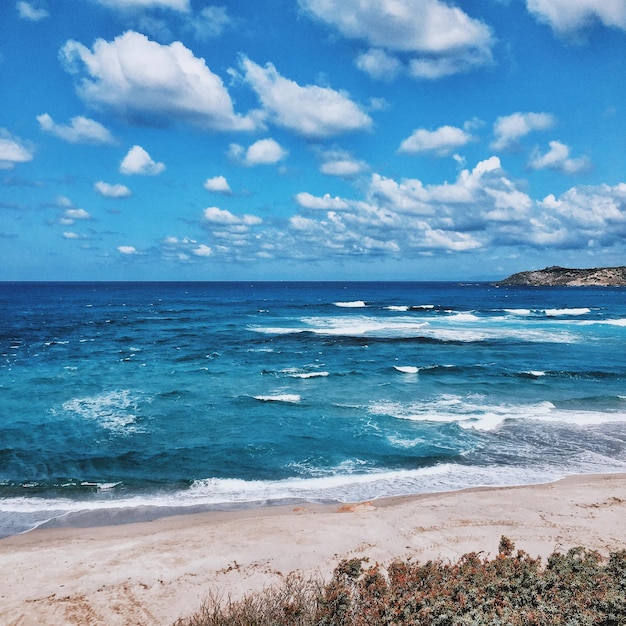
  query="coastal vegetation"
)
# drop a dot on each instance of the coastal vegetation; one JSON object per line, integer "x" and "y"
{"x": 556, "y": 276}
{"x": 575, "y": 588}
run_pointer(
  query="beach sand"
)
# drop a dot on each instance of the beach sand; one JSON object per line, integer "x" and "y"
{"x": 154, "y": 572}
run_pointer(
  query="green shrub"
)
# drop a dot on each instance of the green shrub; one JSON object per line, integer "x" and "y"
{"x": 573, "y": 589}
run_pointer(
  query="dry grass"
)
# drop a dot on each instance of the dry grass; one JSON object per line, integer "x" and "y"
{"x": 573, "y": 589}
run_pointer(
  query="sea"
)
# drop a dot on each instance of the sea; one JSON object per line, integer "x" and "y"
{"x": 126, "y": 401}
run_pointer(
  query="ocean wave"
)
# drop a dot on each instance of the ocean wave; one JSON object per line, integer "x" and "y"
{"x": 470, "y": 413}
{"x": 292, "y": 398}
{"x": 356, "y": 304}
{"x": 23, "y": 514}
{"x": 459, "y": 327}
{"x": 572, "y": 311}
{"x": 407, "y": 369}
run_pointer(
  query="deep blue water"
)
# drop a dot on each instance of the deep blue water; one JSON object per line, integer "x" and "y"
{"x": 222, "y": 394}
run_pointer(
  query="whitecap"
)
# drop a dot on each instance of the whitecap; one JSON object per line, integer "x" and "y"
{"x": 356, "y": 304}
{"x": 407, "y": 369}
{"x": 394, "y": 307}
{"x": 293, "y": 398}
{"x": 113, "y": 410}
{"x": 560, "y": 312}
{"x": 309, "y": 374}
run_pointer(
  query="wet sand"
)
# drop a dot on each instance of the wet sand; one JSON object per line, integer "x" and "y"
{"x": 152, "y": 572}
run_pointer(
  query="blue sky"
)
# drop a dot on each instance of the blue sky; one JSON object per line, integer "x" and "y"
{"x": 310, "y": 139}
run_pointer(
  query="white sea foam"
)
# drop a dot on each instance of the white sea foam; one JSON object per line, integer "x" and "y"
{"x": 309, "y": 374}
{"x": 407, "y": 369}
{"x": 356, "y": 304}
{"x": 113, "y": 410}
{"x": 394, "y": 307}
{"x": 461, "y": 327}
{"x": 472, "y": 413}
{"x": 521, "y": 312}
{"x": 574, "y": 312}
{"x": 465, "y": 317}
{"x": 609, "y": 322}
{"x": 281, "y": 397}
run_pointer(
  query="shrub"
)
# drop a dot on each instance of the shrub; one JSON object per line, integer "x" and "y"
{"x": 573, "y": 589}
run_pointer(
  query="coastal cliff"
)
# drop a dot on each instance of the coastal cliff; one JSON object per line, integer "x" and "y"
{"x": 566, "y": 277}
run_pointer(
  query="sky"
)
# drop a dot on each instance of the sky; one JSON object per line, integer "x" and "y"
{"x": 310, "y": 139}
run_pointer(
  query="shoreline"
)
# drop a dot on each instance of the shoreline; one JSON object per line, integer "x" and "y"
{"x": 153, "y": 572}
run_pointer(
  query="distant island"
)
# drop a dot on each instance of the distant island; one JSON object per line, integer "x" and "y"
{"x": 556, "y": 276}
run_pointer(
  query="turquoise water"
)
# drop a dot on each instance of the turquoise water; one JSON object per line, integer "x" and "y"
{"x": 157, "y": 396}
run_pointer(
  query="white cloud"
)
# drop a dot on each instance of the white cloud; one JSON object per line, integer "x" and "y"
{"x": 13, "y": 150}
{"x": 175, "y": 5}
{"x": 558, "y": 159}
{"x": 80, "y": 130}
{"x": 112, "y": 191}
{"x": 379, "y": 64}
{"x": 441, "y": 39}
{"x": 142, "y": 80}
{"x": 568, "y": 16}
{"x": 202, "y": 250}
{"x": 222, "y": 217}
{"x": 127, "y": 250}
{"x": 210, "y": 22}
{"x": 309, "y": 201}
{"x": 138, "y": 161}
{"x": 71, "y": 235}
{"x": 28, "y": 11}
{"x": 217, "y": 184}
{"x": 311, "y": 111}
{"x": 345, "y": 167}
{"x": 509, "y": 129}
{"x": 70, "y": 215}
{"x": 261, "y": 152}
{"x": 442, "y": 141}
{"x": 265, "y": 151}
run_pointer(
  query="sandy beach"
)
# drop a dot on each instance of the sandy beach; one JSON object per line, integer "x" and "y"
{"x": 154, "y": 572}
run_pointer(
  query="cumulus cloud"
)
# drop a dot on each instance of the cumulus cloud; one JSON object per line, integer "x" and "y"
{"x": 482, "y": 209}
{"x": 509, "y": 129}
{"x": 566, "y": 17}
{"x": 13, "y": 150}
{"x": 265, "y": 151}
{"x": 261, "y": 152}
{"x": 439, "y": 39}
{"x": 112, "y": 191}
{"x": 311, "y": 111}
{"x": 217, "y": 184}
{"x": 72, "y": 214}
{"x": 142, "y": 80}
{"x": 558, "y": 159}
{"x": 30, "y": 12}
{"x": 441, "y": 142}
{"x": 326, "y": 203}
{"x": 79, "y": 130}
{"x": 138, "y": 161}
{"x": 341, "y": 163}
{"x": 127, "y": 250}
{"x": 202, "y": 250}
{"x": 379, "y": 64}
{"x": 222, "y": 217}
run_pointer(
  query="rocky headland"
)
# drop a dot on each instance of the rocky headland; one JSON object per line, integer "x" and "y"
{"x": 556, "y": 276}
